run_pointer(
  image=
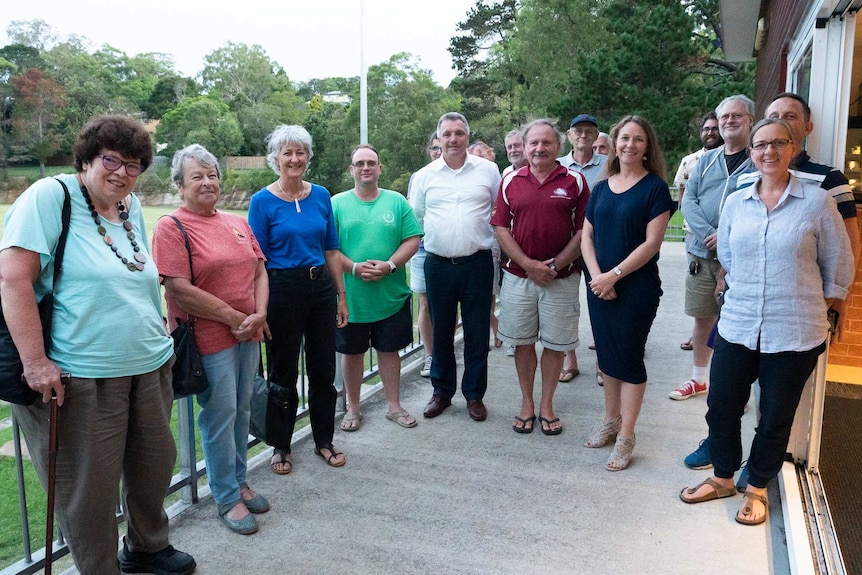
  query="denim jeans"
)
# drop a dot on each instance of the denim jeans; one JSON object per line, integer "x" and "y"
{"x": 468, "y": 282}
{"x": 301, "y": 307}
{"x": 223, "y": 418}
{"x": 782, "y": 377}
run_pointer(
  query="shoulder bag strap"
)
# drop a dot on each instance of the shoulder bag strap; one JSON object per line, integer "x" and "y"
{"x": 188, "y": 245}
{"x": 61, "y": 243}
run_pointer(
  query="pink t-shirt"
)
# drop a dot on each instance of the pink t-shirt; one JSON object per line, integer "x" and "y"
{"x": 225, "y": 255}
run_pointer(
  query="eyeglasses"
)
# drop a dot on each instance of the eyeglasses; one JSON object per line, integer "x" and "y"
{"x": 777, "y": 144}
{"x": 436, "y": 149}
{"x": 732, "y": 116}
{"x": 112, "y": 164}
{"x": 709, "y": 130}
{"x": 362, "y": 163}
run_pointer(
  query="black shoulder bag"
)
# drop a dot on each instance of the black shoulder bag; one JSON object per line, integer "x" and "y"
{"x": 13, "y": 388}
{"x": 189, "y": 376}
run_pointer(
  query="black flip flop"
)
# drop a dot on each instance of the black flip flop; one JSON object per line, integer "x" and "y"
{"x": 525, "y": 421}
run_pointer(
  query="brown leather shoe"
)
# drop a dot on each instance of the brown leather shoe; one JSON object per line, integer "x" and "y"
{"x": 437, "y": 405}
{"x": 477, "y": 410}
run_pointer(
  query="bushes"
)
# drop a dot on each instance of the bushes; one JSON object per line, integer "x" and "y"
{"x": 246, "y": 180}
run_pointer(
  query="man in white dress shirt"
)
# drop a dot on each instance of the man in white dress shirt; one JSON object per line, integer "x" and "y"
{"x": 452, "y": 198}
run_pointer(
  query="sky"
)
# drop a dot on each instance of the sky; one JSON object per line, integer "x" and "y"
{"x": 310, "y": 39}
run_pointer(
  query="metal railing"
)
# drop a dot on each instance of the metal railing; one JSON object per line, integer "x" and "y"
{"x": 190, "y": 469}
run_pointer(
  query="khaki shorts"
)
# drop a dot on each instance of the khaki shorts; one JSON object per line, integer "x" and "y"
{"x": 548, "y": 314}
{"x": 700, "y": 287}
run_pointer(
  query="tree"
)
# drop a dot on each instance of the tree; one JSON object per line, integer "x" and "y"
{"x": 242, "y": 74}
{"x": 38, "y": 98}
{"x": 202, "y": 120}
{"x": 36, "y": 33}
{"x": 169, "y": 90}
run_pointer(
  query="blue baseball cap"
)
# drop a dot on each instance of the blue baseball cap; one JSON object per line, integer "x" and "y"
{"x": 581, "y": 118}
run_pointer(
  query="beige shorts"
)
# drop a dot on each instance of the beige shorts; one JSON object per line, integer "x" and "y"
{"x": 548, "y": 314}
{"x": 700, "y": 287}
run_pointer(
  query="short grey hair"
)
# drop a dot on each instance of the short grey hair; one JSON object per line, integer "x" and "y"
{"x": 453, "y": 117}
{"x": 194, "y": 152}
{"x": 282, "y": 136}
{"x": 746, "y": 101}
{"x": 542, "y": 122}
{"x": 512, "y": 134}
{"x": 605, "y": 136}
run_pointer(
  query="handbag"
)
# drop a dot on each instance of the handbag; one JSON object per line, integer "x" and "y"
{"x": 189, "y": 376}
{"x": 13, "y": 387}
{"x": 269, "y": 409}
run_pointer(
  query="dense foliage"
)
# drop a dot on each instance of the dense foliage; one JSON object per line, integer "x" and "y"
{"x": 516, "y": 60}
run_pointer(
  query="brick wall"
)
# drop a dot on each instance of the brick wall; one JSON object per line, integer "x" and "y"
{"x": 848, "y": 351}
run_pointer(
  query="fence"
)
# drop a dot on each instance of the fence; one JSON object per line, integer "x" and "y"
{"x": 185, "y": 482}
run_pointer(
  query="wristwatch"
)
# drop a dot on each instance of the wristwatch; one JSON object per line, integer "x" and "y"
{"x": 618, "y": 271}
{"x": 552, "y": 266}
{"x": 392, "y": 266}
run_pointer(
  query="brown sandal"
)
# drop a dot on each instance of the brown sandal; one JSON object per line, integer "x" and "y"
{"x": 748, "y": 506}
{"x": 718, "y": 492}
{"x": 283, "y": 459}
{"x": 332, "y": 458}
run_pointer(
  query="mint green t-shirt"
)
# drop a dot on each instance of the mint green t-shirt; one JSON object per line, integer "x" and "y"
{"x": 107, "y": 320}
{"x": 373, "y": 231}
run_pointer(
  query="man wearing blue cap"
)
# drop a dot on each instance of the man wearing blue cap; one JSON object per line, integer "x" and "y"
{"x": 582, "y": 133}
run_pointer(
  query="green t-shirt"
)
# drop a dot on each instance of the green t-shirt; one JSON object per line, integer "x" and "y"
{"x": 373, "y": 231}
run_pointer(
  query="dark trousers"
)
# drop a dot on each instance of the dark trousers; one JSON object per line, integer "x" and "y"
{"x": 467, "y": 281}
{"x": 300, "y": 306}
{"x": 782, "y": 377}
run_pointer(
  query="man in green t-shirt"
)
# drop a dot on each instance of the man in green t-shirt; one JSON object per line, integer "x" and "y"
{"x": 378, "y": 234}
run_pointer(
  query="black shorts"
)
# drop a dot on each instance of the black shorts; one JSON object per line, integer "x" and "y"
{"x": 391, "y": 334}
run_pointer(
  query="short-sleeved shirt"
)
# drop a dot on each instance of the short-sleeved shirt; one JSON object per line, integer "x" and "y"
{"x": 542, "y": 218}
{"x": 593, "y": 171}
{"x": 225, "y": 256}
{"x": 107, "y": 319}
{"x": 683, "y": 173}
{"x": 291, "y": 238}
{"x": 373, "y": 231}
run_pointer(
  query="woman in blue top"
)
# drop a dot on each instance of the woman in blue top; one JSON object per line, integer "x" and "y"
{"x": 787, "y": 256}
{"x": 623, "y": 231}
{"x": 114, "y": 421}
{"x": 295, "y": 227}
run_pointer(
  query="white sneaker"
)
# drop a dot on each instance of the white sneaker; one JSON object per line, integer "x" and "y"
{"x": 688, "y": 389}
{"x": 426, "y": 367}
{"x": 510, "y": 351}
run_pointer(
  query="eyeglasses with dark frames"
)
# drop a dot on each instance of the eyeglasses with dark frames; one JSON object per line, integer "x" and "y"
{"x": 777, "y": 144}
{"x": 113, "y": 164}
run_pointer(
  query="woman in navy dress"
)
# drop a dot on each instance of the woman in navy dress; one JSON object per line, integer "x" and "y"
{"x": 625, "y": 224}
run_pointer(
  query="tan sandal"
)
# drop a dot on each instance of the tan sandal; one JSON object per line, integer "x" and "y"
{"x": 351, "y": 421}
{"x": 622, "y": 453}
{"x": 748, "y": 499}
{"x": 718, "y": 492}
{"x": 606, "y": 433}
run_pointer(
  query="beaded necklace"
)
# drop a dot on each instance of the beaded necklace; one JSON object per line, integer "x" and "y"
{"x": 139, "y": 258}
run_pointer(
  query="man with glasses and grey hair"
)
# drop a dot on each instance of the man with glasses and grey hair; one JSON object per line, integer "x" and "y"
{"x": 452, "y": 198}
{"x": 712, "y": 180}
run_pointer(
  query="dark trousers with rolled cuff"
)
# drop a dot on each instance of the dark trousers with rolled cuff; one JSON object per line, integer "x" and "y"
{"x": 782, "y": 378}
{"x": 466, "y": 281}
{"x": 304, "y": 304}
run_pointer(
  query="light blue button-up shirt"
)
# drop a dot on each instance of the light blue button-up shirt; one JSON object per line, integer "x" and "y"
{"x": 781, "y": 267}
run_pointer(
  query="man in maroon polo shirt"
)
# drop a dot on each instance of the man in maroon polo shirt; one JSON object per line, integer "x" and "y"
{"x": 538, "y": 219}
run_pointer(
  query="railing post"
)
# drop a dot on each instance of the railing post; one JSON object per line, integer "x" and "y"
{"x": 188, "y": 458}
{"x": 22, "y": 494}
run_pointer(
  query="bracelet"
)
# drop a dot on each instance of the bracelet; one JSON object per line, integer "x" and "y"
{"x": 353, "y": 271}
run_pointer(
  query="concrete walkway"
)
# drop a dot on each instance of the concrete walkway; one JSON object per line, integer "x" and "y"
{"x": 453, "y": 496}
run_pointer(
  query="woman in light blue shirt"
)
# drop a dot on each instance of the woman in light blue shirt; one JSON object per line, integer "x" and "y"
{"x": 787, "y": 256}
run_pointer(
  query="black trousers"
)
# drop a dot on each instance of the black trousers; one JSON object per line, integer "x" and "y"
{"x": 300, "y": 306}
{"x": 782, "y": 377}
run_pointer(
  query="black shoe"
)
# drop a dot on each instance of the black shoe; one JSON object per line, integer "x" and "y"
{"x": 168, "y": 561}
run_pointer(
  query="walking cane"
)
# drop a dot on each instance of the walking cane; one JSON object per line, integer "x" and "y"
{"x": 65, "y": 378}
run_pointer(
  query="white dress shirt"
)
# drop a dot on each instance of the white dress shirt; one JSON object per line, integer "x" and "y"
{"x": 454, "y": 206}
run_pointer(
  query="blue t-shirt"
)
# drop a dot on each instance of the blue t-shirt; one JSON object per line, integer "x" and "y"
{"x": 107, "y": 319}
{"x": 291, "y": 238}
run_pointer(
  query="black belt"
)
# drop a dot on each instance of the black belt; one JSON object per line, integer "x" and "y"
{"x": 462, "y": 259}
{"x": 312, "y": 273}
